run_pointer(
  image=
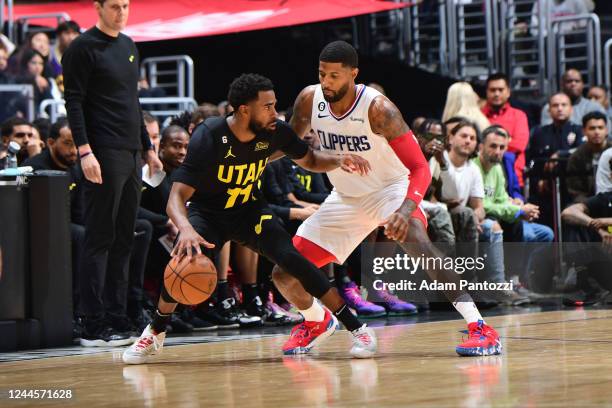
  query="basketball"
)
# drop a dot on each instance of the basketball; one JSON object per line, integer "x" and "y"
{"x": 190, "y": 282}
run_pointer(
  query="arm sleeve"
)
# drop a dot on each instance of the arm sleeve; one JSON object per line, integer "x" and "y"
{"x": 407, "y": 149}
{"x": 77, "y": 65}
{"x": 287, "y": 141}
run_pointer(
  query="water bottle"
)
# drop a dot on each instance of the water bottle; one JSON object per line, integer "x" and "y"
{"x": 13, "y": 149}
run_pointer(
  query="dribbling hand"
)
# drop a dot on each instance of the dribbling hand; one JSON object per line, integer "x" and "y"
{"x": 396, "y": 227}
{"x": 188, "y": 244}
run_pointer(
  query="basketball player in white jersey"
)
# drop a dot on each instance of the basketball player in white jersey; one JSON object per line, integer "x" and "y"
{"x": 356, "y": 119}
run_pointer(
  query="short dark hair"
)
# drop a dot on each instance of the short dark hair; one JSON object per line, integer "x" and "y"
{"x": 169, "y": 131}
{"x": 496, "y": 77}
{"x": 44, "y": 127}
{"x": 61, "y": 123}
{"x": 428, "y": 124}
{"x": 148, "y": 118}
{"x": 66, "y": 26}
{"x": 494, "y": 130}
{"x": 595, "y": 115}
{"x": 465, "y": 123}
{"x": 455, "y": 119}
{"x": 246, "y": 88}
{"x": 9, "y": 124}
{"x": 340, "y": 51}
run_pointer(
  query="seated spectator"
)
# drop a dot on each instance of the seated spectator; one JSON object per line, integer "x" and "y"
{"x": 152, "y": 126}
{"x": 497, "y": 203}
{"x": 462, "y": 186}
{"x": 36, "y": 143}
{"x": 32, "y": 71}
{"x": 600, "y": 95}
{"x": 38, "y": 41}
{"x": 582, "y": 164}
{"x": 572, "y": 85}
{"x": 552, "y": 141}
{"x": 65, "y": 32}
{"x": 17, "y": 130}
{"x": 461, "y": 100}
{"x": 587, "y": 223}
{"x": 43, "y": 125}
{"x": 514, "y": 121}
{"x": 189, "y": 120}
{"x": 5, "y": 77}
{"x": 603, "y": 178}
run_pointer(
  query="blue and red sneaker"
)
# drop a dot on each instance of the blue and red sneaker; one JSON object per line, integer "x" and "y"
{"x": 352, "y": 296}
{"x": 307, "y": 335}
{"x": 482, "y": 340}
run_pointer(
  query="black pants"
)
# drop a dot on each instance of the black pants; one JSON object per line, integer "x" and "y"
{"x": 256, "y": 227}
{"x": 77, "y": 236}
{"x": 110, "y": 214}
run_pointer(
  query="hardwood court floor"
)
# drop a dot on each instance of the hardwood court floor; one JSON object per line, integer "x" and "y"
{"x": 561, "y": 358}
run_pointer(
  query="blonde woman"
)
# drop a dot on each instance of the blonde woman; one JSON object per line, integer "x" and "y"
{"x": 461, "y": 100}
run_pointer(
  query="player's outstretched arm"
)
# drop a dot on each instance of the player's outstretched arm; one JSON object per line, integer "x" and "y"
{"x": 320, "y": 162}
{"x": 188, "y": 239}
{"x": 386, "y": 120}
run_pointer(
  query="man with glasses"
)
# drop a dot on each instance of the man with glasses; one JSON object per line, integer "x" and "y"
{"x": 17, "y": 130}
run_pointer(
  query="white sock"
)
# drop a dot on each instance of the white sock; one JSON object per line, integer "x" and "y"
{"x": 469, "y": 311}
{"x": 314, "y": 313}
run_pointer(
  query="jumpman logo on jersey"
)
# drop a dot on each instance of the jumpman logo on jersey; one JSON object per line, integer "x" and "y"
{"x": 229, "y": 153}
{"x": 258, "y": 227}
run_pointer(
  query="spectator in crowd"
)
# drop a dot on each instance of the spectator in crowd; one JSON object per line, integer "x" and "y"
{"x": 554, "y": 142}
{"x": 65, "y": 32}
{"x": 462, "y": 186}
{"x": 152, "y": 126}
{"x": 572, "y": 85}
{"x": 461, "y": 100}
{"x": 36, "y": 143}
{"x": 5, "y": 77}
{"x": 17, "y": 130}
{"x": 586, "y": 223}
{"x": 603, "y": 178}
{"x": 514, "y": 121}
{"x": 598, "y": 94}
{"x": 32, "y": 71}
{"x": 582, "y": 164}
{"x": 497, "y": 203}
{"x": 38, "y": 41}
{"x": 560, "y": 8}
{"x": 417, "y": 122}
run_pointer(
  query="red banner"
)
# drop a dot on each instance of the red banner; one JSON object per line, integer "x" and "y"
{"x": 155, "y": 20}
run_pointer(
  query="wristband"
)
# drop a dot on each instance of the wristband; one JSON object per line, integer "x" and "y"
{"x": 85, "y": 154}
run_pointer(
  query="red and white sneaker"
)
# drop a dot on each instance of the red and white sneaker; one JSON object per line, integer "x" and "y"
{"x": 482, "y": 340}
{"x": 307, "y": 335}
{"x": 364, "y": 342}
{"x": 148, "y": 344}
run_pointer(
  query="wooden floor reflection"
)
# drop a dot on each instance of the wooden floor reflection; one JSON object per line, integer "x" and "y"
{"x": 550, "y": 359}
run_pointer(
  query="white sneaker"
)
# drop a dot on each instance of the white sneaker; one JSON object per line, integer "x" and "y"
{"x": 147, "y": 345}
{"x": 364, "y": 342}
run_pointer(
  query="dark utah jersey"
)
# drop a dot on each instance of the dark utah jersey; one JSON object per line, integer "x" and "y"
{"x": 224, "y": 171}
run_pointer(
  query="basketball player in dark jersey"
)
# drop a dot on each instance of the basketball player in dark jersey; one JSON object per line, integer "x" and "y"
{"x": 219, "y": 177}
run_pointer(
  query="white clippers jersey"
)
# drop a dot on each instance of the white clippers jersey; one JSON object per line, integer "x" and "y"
{"x": 351, "y": 133}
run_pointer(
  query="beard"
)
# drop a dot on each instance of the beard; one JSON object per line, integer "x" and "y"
{"x": 337, "y": 96}
{"x": 67, "y": 161}
{"x": 258, "y": 127}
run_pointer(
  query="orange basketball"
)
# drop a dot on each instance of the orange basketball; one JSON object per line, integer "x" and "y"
{"x": 190, "y": 283}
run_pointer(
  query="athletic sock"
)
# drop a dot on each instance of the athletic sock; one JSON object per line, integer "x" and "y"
{"x": 249, "y": 292}
{"x": 160, "y": 321}
{"x": 348, "y": 320}
{"x": 222, "y": 290}
{"x": 466, "y": 306}
{"x": 314, "y": 313}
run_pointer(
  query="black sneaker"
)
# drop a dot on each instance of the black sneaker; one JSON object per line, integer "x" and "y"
{"x": 99, "y": 333}
{"x": 198, "y": 323}
{"x": 124, "y": 324}
{"x": 179, "y": 325}
{"x": 255, "y": 307}
{"x": 227, "y": 316}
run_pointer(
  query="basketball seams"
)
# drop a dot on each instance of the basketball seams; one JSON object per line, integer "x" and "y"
{"x": 177, "y": 275}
